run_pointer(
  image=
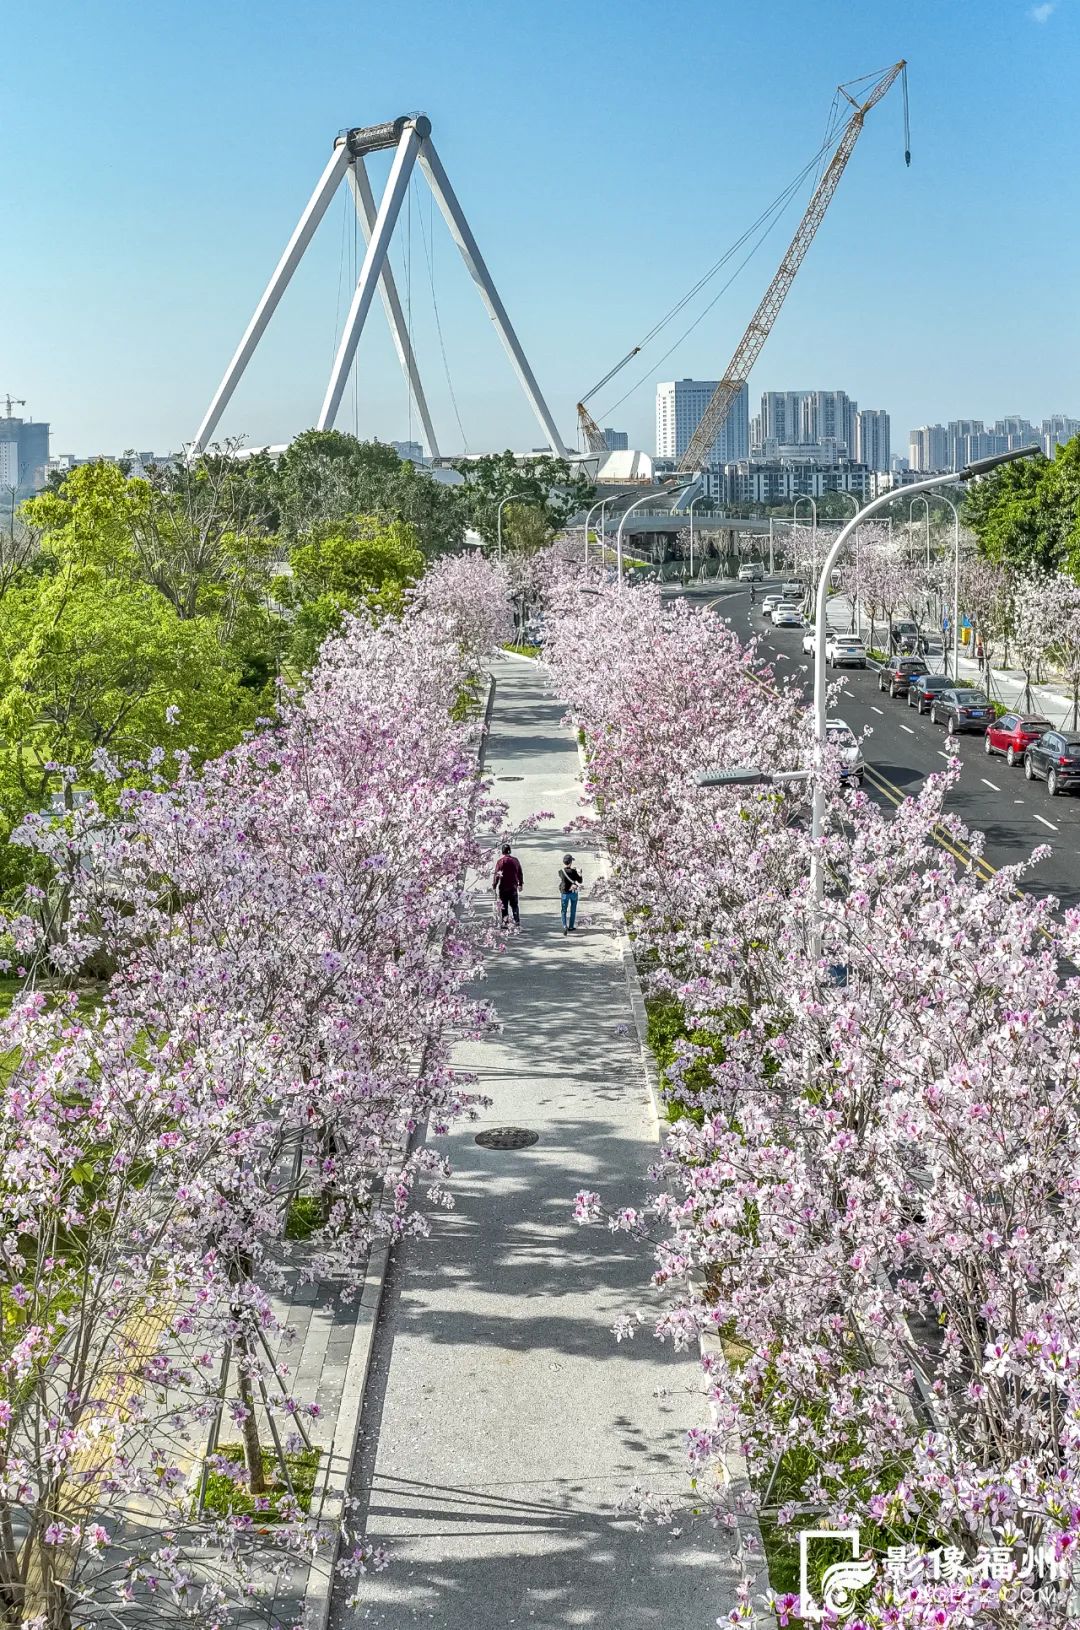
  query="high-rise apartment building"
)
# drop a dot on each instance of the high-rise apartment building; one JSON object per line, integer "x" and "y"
{"x": 873, "y": 438}
{"x": 24, "y": 455}
{"x": 833, "y": 414}
{"x": 807, "y": 418}
{"x": 1057, "y": 430}
{"x": 616, "y": 441}
{"x": 928, "y": 448}
{"x": 680, "y": 404}
{"x": 951, "y": 446}
{"x": 782, "y": 418}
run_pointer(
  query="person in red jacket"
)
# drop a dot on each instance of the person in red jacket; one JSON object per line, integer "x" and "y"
{"x": 509, "y": 878}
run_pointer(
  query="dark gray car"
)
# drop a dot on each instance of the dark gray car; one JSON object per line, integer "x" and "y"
{"x": 923, "y": 688}
{"x": 962, "y": 709}
{"x": 1055, "y": 759}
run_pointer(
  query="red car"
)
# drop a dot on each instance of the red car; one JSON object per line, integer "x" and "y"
{"x": 1013, "y": 733}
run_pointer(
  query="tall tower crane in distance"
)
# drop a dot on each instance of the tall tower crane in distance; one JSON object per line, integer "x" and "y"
{"x": 13, "y": 401}
{"x": 749, "y": 347}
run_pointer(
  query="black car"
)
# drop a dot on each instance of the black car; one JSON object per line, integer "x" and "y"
{"x": 1055, "y": 759}
{"x": 924, "y": 688}
{"x": 898, "y": 673}
{"x": 962, "y": 709}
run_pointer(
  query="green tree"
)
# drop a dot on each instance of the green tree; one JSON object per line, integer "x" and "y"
{"x": 195, "y": 535}
{"x": 550, "y": 486}
{"x": 526, "y": 529}
{"x": 326, "y": 476}
{"x": 343, "y": 567}
{"x": 1016, "y": 517}
{"x": 90, "y": 664}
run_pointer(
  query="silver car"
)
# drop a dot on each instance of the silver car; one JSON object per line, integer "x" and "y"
{"x": 787, "y": 615}
{"x": 842, "y": 737}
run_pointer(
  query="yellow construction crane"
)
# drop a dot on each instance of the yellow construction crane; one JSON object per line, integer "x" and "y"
{"x": 749, "y": 347}
{"x": 591, "y": 434}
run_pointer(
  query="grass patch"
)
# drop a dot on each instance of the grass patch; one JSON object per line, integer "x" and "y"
{"x": 229, "y": 1499}
{"x": 523, "y": 650}
{"x": 667, "y": 1027}
{"x": 306, "y": 1216}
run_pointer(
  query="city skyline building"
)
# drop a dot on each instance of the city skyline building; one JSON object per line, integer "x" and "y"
{"x": 616, "y": 441}
{"x": 873, "y": 438}
{"x": 24, "y": 455}
{"x": 779, "y": 481}
{"x": 680, "y": 404}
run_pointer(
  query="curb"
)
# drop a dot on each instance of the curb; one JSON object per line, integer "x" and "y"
{"x": 320, "y": 1584}
{"x": 319, "y": 1591}
{"x": 747, "y": 1526}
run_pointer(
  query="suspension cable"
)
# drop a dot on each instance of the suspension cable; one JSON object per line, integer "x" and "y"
{"x": 429, "y": 257}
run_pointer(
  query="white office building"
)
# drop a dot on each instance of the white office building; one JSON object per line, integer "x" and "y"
{"x": 680, "y": 404}
{"x": 873, "y": 434}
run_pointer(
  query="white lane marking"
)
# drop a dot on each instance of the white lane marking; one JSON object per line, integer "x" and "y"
{"x": 940, "y": 754}
{"x": 908, "y": 728}
{"x": 989, "y": 784}
{"x": 1045, "y": 822}
{"x": 874, "y": 709}
{"x": 1018, "y": 800}
{"x": 781, "y": 656}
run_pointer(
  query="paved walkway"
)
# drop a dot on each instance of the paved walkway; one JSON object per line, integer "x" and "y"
{"x": 502, "y": 1423}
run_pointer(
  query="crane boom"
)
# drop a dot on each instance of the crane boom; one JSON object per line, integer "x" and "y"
{"x": 749, "y": 347}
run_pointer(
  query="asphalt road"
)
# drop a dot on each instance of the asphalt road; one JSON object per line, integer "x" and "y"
{"x": 1015, "y": 815}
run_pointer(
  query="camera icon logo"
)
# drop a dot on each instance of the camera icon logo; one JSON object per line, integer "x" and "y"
{"x": 840, "y": 1581}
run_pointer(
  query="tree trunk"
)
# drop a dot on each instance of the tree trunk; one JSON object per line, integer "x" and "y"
{"x": 253, "y": 1459}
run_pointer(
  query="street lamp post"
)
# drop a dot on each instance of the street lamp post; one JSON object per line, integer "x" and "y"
{"x": 644, "y": 499}
{"x": 842, "y": 492}
{"x": 588, "y": 517}
{"x": 804, "y": 498}
{"x": 956, "y": 586}
{"x": 817, "y": 870}
{"x": 498, "y": 525}
{"x": 924, "y": 501}
{"x": 693, "y": 501}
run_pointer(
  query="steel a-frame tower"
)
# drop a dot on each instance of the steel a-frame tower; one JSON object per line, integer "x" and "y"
{"x": 410, "y": 138}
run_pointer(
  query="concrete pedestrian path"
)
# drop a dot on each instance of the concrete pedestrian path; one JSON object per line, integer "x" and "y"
{"x": 502, "y": 1424}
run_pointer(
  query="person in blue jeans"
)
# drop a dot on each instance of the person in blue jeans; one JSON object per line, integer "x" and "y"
{"x": 570, "y": 880}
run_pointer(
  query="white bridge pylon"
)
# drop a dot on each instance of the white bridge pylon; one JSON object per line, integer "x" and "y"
{"x": 410, "y": 137}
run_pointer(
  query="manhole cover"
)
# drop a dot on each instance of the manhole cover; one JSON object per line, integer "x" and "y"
{"x": 509, "y": 778}
{"x": 507, "y": 1137}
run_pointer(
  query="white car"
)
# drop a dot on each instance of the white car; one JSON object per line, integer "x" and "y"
{"x": 786, "y": 615}
{"x": 770, "y": 602}
{"x": 809, "y": 639}
{"x": 793, "y": 590}
{"x": 752, "y": 571}
{"x": 845, "y": 650}
{"x": 841, "y": 736}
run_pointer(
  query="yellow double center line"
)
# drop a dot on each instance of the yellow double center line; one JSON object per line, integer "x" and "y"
{"x": 890, "y": 790}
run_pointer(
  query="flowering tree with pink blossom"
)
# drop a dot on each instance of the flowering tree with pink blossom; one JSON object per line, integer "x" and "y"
{"x": 291, "y": 971}
{"x": 867, "y": 1201}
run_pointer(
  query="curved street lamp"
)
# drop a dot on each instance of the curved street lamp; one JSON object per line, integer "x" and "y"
{"x": 978, "y": 467}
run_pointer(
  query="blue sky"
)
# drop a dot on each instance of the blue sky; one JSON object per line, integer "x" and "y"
{"x": 158, "y": 154}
